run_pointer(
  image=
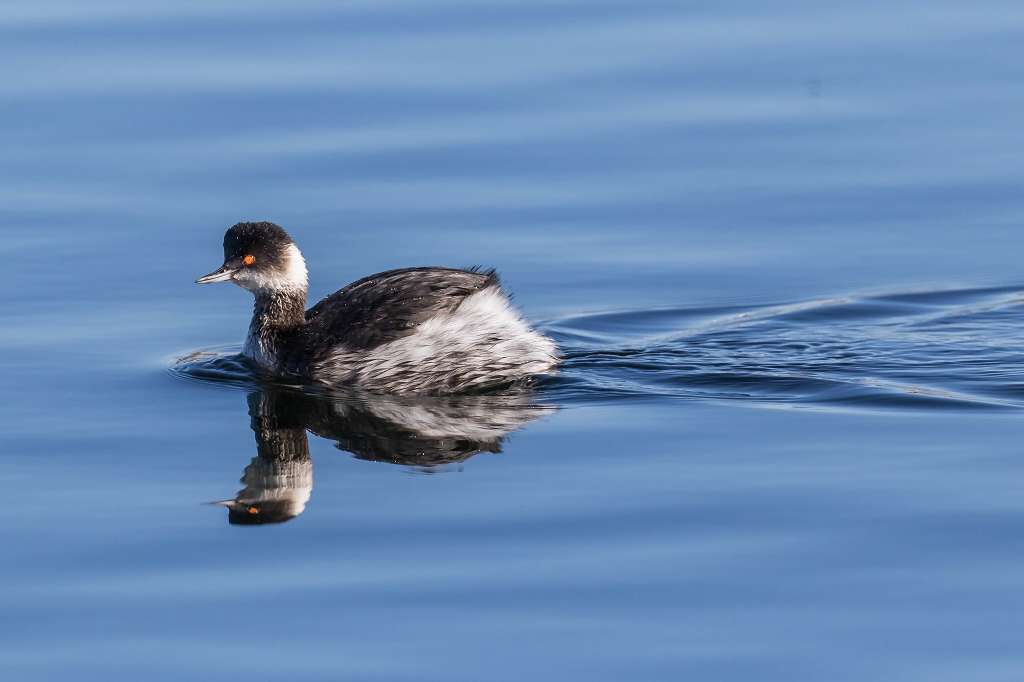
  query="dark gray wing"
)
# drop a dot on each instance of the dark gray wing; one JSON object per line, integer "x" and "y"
{"x": 389, "y": 305}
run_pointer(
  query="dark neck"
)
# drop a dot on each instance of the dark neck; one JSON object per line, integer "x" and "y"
{"x": 276, "y": 318}
{"x": 279, "y": 311}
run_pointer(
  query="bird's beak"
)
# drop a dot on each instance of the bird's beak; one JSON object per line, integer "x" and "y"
{"x": 221, "y": 274}
{"x": 223, "y": 503}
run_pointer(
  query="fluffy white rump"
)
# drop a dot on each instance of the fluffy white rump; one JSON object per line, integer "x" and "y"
{"x": 483, "y": 342}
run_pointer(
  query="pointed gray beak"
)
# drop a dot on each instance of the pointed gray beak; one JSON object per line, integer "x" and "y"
{"x": 221, "y": 503}
{"x": 221, "y": 274}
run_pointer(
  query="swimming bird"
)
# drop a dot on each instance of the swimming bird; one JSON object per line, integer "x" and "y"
{"x": 426, "y": 330}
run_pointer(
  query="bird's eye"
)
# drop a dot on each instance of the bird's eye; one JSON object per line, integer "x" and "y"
{"x": 253, "y": 510}
{"x": 249, "y": 260}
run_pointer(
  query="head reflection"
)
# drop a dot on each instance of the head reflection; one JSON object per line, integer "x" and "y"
{"x": 412, "y": 431}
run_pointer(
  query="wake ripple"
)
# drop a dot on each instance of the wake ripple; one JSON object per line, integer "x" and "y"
{"x": 959, "y": 349}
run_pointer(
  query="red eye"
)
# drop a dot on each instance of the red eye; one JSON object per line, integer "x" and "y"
{"x": 249, "y": 260}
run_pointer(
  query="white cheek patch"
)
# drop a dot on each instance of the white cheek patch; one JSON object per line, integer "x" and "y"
{"x": 295, "y": 274}
{"x": 291, "y": 276}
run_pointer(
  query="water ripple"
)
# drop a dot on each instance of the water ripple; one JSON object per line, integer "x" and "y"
{"x": 957, "y": 349}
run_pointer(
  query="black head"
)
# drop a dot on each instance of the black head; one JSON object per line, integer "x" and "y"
{"x": 259, "y": 256}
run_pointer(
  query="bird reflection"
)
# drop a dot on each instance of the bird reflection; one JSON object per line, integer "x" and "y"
{"x": 412, "y": 431}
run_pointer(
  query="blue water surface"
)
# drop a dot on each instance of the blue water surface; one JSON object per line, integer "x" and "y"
{"x": 778, "y": 243}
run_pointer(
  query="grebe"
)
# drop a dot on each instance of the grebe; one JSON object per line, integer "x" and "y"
{"x": 414, "y": 330}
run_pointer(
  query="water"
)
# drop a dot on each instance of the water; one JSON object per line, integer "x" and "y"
{"x": 779, "y": 246}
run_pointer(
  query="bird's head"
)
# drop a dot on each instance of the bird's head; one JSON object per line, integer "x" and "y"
{"x": 260, "y": 257}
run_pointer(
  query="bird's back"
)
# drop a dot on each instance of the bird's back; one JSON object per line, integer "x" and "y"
{"x": 418, "y": 330}
{"x": 389, "y": 305}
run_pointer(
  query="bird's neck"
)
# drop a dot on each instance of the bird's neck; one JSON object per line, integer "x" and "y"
{"x": 276, "y": 314}
{"x": 280, "y": 309}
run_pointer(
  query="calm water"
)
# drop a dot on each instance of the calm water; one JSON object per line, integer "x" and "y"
{"x": 779, "y": 243}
